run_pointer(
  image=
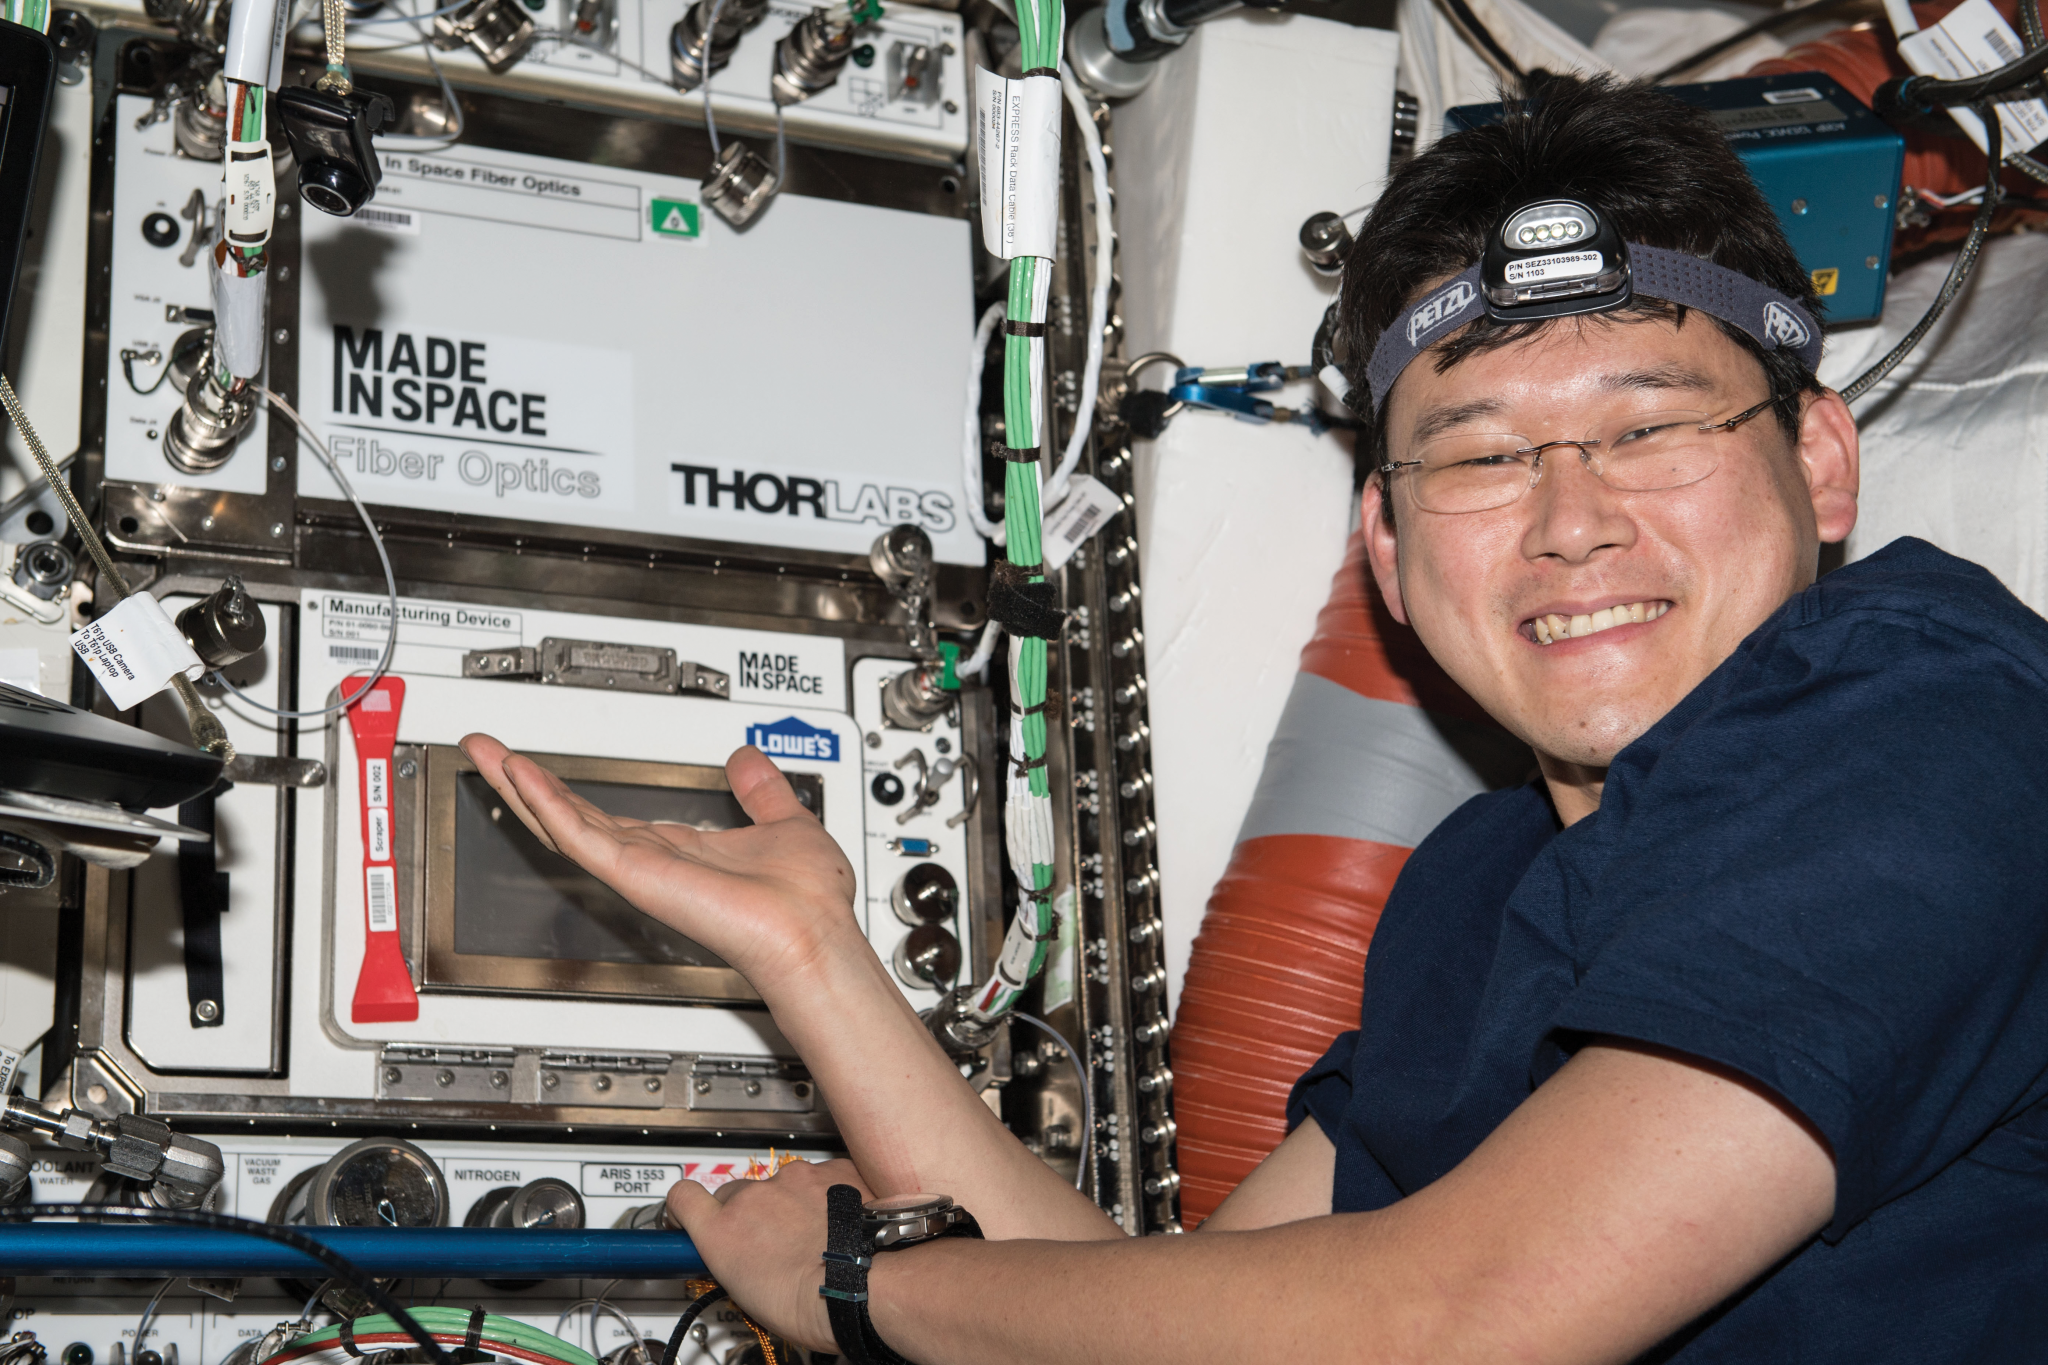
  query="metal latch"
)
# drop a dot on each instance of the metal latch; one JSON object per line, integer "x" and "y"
{"x": 595, "y": 663}
{"x": 752, "y": 1083}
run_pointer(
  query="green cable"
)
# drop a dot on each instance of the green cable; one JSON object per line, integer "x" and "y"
{"x": 451, "y": 1322}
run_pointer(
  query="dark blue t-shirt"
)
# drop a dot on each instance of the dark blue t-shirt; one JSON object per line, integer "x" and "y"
{"x": 1827, "y": 869}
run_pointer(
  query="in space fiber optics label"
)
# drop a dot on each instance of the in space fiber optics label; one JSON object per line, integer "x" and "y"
{"x": 794, "y": 738}
{"x": 482, "y": 421}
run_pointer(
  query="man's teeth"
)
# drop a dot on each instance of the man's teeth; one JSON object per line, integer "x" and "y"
{"x": 1552, "y": 628}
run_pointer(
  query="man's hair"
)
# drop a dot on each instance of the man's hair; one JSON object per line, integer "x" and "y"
{"x": 1657, "y": 169}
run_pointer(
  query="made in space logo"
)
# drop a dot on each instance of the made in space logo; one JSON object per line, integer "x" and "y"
{"x": 794, "y": 738}
{"x": 487, "y": 416}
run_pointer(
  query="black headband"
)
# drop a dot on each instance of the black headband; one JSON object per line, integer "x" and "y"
{"x": 1769, "y": 317}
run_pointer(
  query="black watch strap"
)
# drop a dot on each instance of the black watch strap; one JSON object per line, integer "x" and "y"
{"x": 849, "y": 1252}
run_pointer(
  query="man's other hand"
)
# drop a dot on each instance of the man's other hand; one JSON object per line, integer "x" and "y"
{"x": 767, "y": 897}
{"x": 763, "y": 1240}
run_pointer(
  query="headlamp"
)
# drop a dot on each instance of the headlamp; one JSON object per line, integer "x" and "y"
{"x": 1556, "y": 258}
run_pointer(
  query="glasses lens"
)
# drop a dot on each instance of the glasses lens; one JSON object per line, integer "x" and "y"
{"x": 1654, "y": 450}
{"x": 1470, "y": 473}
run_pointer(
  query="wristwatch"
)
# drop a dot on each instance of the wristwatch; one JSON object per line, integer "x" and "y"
{"x": 854, "y": 1234}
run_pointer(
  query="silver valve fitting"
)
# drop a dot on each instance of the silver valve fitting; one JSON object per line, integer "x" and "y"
{"x": 183, "y": 1170}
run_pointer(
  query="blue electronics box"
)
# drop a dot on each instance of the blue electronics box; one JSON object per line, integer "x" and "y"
{"x": 1827, "y": 164}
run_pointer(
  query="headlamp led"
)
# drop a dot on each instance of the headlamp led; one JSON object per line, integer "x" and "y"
{"x": 1557, "y": 257}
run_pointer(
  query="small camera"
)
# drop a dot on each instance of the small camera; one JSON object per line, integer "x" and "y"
{"x": 330, "y": 137}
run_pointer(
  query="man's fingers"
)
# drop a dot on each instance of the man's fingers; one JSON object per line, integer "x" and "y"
{"x": 763, "y": 792}
{"x": 490, "y": 757}
{"x": 689, "y": 1204}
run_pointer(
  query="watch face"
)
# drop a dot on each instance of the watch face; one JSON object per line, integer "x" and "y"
{"x": 899, "y": 1206}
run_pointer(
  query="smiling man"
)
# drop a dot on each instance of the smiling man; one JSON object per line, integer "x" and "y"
{"x": 1726, "y": 1040}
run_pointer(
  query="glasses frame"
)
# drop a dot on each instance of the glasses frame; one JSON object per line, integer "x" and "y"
{"x": 1392, "y": 467}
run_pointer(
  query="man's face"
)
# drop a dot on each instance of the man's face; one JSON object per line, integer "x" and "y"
{"x": 1702, "y": 565}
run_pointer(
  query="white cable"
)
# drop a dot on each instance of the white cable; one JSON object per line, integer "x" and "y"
{"x": 1098, "y": 297}
{"x": 1087, "y": 1094}
{"x": 390, "y": 579}
{"x": 970, "y": 445}
{"x": 710, "y": 35}
{"x": 984, "y": 650}
{"x": 1904, "y": 21}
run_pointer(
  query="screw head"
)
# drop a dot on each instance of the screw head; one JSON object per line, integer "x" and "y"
{"x": 601, "y": 1084}
{"x": 276, "y": 529}
{"x": 284, "y": 272}
{"x": 499, "y": 1080}
{"x": 952, "y": 106}
{"x": 1799, "y": 206}
{"x": 156, "y": 495}
{"x": 277, "y": 463}
{"x": 702, "y": 1085}
{"x": 653, "y": 1084}
{"x": 549, "y": 1080}
{"x": 444, "y": 1078}
{"x": 207, "y": 1011}
{"x": 408, "y": 769}
{"x": 802, "y": 1090}
{"x": 1881, "y": 200}
{"x": 1870, "y": 262}
{"x": 392, "y": 1075}
{"x": 206, "y": 522}
{"x": 281, "y": 335}
{"x": 874, "y": 739}
{"x": 753, "y": 1087}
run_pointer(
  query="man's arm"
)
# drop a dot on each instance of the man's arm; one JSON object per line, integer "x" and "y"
{"x": 775, "y": 899}
{"x": 1291, "y": 1184}
{"x": 1633, "y": 1192}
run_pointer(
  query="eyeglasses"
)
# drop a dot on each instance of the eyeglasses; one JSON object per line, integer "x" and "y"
{"x": 1641, "y": 453}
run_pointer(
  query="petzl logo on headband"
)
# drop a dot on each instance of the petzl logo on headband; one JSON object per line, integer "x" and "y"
{"x": 1434, "y": 312}
{"x": 1782, "y": 327}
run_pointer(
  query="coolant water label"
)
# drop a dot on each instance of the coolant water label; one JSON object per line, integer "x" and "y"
{"x": 135, "y": 650}
{"x": 434, "y": 414}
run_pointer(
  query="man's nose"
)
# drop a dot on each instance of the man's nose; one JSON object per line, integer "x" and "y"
{"x": 1572, "y": 514}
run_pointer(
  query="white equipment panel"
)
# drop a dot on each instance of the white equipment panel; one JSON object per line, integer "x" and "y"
{"x": 154, "y": 178}
{"x": 517, "y": 336}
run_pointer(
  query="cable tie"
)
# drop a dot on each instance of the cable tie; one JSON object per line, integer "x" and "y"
{"x": 1036, "y": 570}
{"x": 1023, "y": 329}
{"x": 1025, "y": 765}
{"x": 474, "y": 1337}
{"x": 347, "y": 1337}
{"x": 1017, "y": 456}
{"x": 1051, "y": 71}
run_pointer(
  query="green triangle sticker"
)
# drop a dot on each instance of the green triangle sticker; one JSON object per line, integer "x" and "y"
{"x": 673, "y": 217}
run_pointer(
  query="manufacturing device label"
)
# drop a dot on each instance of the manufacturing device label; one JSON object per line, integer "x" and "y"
{"x": 493, "y": 424}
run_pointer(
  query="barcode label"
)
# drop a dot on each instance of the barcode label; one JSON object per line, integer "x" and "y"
{"x": 390, "y": 220}
{"x": 380, "y": 885}
{"x": 380, "y": 836}
{"x": 1085, "y": 509}
{"x": 2002, "y": 45}
{"x": 353, "y": 654}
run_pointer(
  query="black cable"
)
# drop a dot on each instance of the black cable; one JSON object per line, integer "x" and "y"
{"x": 43, "y": 869}
{"x": 2030, "y": 23}
{"x": 343, "y": 1268}
{"x": 1958, "y": 273}
{"x": 1462, "y": 15}
{"x": 1768, "y": 24}
{"x": 690, "y": 1315}
{"x": 1921, "y": 93}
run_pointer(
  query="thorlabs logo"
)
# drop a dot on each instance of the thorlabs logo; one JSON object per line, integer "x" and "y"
{"x": 1434, "y": 312}
{"x": 793, "y": 738}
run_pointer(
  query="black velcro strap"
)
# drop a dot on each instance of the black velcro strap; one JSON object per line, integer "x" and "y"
{"x": 474, "y": 1337}
{"x": 1051, "y": 71}
{"x": 1022, "y": 607}
{"x": 1023, "y": 329}
{"x": 346, "y": 1335}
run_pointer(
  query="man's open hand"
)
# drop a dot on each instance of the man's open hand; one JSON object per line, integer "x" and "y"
{"x": 764, "y": 1240}
{"x": 767, "y": 897}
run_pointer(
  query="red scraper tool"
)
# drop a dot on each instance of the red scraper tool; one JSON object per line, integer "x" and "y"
{"x": 384, "y": 993}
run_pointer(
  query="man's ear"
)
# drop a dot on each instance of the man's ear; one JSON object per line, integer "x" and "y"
{"x": 1381, "y": 547}
{"x": 1833, "y": 462}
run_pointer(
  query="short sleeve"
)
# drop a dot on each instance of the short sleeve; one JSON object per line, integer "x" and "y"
{"x": 1855, "y": 914}
{"x": 1324, "y": 1090}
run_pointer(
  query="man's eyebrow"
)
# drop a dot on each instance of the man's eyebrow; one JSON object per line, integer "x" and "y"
{"x": 1660, "y": 377}
{"x": 1437, "y": 421}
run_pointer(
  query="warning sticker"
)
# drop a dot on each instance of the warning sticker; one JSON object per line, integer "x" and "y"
{"x": 672, "y": 217}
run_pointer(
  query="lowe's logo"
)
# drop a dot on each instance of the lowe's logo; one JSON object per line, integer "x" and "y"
{"x": 792, "y": 738}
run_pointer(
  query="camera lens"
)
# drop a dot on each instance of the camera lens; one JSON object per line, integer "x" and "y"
{"x": 333, "y": 187}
